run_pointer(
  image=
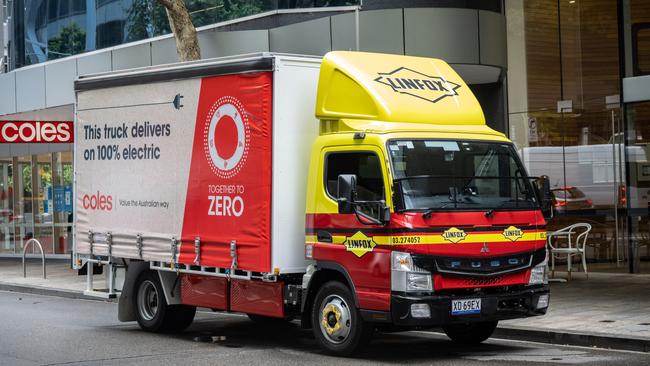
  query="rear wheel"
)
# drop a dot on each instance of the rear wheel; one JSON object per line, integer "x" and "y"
{"x": 470, "y": 333}
{"x": 152, "y": 312}
{"x": 337, "y": 324}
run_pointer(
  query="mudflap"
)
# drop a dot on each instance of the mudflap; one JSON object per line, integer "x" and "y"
{"x": 126, "y": 303}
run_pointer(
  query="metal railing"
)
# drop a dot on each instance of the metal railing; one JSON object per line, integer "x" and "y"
{"x": 30, "y": 241}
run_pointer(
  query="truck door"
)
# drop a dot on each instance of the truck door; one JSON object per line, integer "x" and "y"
{"x": 367, "y": 267}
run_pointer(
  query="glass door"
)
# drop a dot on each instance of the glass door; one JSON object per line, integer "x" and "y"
{"x": 62, "y": 176}
{"x": 43, "y": 201}
{"x": 23, "y": 202}
{"x": 6, "y": 207}
{"x": 638, "y": 154}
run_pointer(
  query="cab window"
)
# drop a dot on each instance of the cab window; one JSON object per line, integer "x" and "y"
{"x": 365, "y": 165}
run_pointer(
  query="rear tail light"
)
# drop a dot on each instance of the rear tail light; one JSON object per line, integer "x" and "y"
{"x": 622, "y": 194}
{"x": 590, "y": 202}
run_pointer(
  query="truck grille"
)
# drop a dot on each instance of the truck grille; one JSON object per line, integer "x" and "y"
{"x": 479, "y": 267}
{"x": 444, "y": 282}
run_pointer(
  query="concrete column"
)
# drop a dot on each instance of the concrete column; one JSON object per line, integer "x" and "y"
{"x": 517, "y": 76}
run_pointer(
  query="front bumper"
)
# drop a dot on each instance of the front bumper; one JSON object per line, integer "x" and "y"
{"x": 504, "y": 305}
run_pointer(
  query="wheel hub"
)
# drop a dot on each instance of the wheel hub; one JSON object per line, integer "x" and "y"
{"x": 335, "y": 319}
{"x": 147, "y": 300}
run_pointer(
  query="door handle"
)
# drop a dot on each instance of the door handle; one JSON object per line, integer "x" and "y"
{"x": 324, "y": 236}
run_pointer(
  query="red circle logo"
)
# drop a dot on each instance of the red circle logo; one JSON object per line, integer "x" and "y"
{"x": 226, "y": 137}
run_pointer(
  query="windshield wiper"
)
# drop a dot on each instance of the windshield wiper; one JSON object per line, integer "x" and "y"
{"x": 429, "y": 211}
{"x": 490, "y": 212}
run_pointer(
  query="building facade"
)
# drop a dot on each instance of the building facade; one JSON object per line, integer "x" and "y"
{"x": 578, "y": 113}
{"x": 566, "y": 80}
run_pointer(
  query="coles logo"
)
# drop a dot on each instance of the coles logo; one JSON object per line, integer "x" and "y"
{"x": 33, "y": 131}
{"x": 97, "y": 201}
{"x": 226, "y": 137}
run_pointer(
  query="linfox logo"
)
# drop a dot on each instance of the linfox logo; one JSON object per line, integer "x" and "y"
{"x": 359, "y": 244}
{"x": 226, "y": 137}
{"x": 97, "y": 201}
{"x": 513, "y": 233}
{"x": 454, "y": 235}
{"x": 406, "y": 81}
{"x": 33, "y": 131}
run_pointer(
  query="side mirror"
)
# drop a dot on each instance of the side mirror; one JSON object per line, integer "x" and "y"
{"x": 347, "y": 186}
{"x": 545, "y": 198}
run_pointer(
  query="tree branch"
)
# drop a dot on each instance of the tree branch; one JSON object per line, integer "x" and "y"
{"x": 180, "y": 22}
{"x": 166, "y": 3}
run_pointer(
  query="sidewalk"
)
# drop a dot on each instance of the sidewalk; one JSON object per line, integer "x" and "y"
{"x": 607, "y": 310}
{"x": 61, "y": 279}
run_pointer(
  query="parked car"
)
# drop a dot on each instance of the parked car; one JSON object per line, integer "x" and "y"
{"x": 569, "y": 199}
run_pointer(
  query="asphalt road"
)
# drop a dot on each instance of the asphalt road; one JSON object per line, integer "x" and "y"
{"x": 43, "y": 330}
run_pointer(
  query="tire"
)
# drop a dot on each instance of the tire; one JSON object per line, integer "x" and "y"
{"x": 470, "y": 333}
{"x": 336, "y": 322}
{"x": 151, "y": 309}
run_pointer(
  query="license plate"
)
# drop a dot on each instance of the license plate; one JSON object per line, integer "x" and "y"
{"x": 466, "y": 306}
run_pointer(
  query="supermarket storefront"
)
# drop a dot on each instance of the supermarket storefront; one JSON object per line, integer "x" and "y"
{"x": 36, "y": 175}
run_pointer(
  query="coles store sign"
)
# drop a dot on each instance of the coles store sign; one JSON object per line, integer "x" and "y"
{"x": 36, "y": 132}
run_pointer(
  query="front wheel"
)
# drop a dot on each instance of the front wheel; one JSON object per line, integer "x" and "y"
{"x": 337, "y": 324}
{"x": 470, "y": 333}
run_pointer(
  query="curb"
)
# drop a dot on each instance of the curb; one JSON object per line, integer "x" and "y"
{"x": 563, "y": 337}
{"x": 47, "y": 291}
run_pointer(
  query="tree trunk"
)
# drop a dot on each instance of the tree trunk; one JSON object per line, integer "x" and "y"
{"x": 180, "y": 22}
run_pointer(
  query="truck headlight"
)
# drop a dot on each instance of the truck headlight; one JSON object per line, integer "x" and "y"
{"x": 418, "y": 281}
{"x": 406, "y": 277}
{"x": 539, "y": 275}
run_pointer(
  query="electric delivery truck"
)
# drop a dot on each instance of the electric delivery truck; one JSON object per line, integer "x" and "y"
{"x": 357, "y": 192}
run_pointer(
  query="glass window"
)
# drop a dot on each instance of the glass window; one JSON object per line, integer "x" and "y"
{"x": 110, "y": 33}
{"x": 36, "y": 202}
{"x": 569, "y": 51}
{"x": 78, "y": 6}
{"x": 365, "y": 165}
{"x": 52, "y": 9}
{"x": 53, "y": 29}
{"x": 64, "y": 8}
{"x": 446, "y": 174}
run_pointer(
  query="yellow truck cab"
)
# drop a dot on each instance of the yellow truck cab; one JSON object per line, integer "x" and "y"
{"x": 422, "y": 212}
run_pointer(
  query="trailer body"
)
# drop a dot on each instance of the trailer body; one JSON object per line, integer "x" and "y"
{"x": 153, "y": 181}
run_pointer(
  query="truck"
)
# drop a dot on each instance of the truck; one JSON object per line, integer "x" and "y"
{"x": 357, "y": 192}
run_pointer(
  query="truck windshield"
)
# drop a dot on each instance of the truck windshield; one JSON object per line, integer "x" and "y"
{"x": 446, "y": 174}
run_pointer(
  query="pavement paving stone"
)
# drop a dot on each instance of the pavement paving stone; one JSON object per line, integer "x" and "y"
{"x": 604, "y": 303}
